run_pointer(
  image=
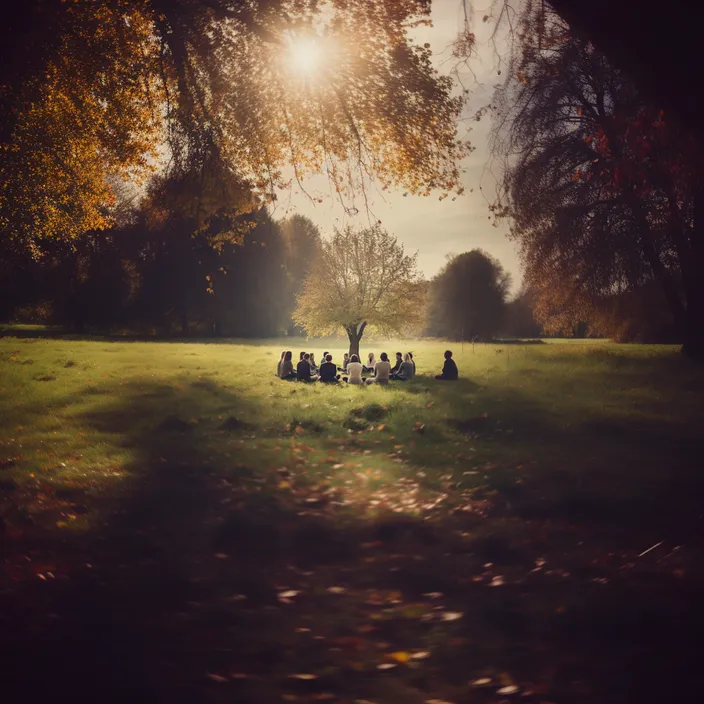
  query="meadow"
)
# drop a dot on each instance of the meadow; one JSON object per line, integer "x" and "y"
{"x": 179, "y": 523}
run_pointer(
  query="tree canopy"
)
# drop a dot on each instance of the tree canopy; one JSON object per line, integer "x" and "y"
{"x": 101, "y": 89}
{"x": 467, "y": 298}
{"x": 359, "y": 280}
{"x": 604, "y": 189}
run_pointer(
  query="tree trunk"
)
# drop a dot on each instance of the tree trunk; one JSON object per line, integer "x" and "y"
{"x": 692, "y": 264}
{"x": 693, "y": 346}
{"x": 354, "y": 333}
{"x": 693, "y": 326}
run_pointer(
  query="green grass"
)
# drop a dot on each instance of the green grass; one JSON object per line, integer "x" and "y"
{"x": 161, "y": 496}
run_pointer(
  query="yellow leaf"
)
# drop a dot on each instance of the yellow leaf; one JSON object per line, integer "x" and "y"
{"x": 401, "y": 656}
{"x": 284, "y": 485}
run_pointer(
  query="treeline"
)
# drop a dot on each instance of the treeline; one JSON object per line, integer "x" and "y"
{"x": 240, "y": 278}
{"x": 159, "y": 274}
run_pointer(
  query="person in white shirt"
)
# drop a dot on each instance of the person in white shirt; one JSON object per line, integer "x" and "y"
{"x": 354, "y": 369}
{"x": 382, "y": 370}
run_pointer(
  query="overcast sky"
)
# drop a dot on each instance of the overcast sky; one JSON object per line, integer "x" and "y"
{"x": 431, "y": 227}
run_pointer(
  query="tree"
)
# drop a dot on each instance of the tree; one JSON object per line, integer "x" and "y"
{"x": 606, "y": 192}
{"x": 360, "y": 280}
{"x": 468, "y": 297}
{"x": 302, "y": 242}
{"x": 99, "y": 88}
{"x": 653, "y": 50}
{"x": 519, "y": 320}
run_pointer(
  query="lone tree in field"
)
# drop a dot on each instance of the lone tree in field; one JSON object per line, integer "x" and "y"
{"x": 359, "y": 280}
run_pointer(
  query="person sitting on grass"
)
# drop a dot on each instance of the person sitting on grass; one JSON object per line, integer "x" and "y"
{"x": 382, "y": 371}
{"x": 313, "y": 365}
{"x": 410, "y": 354}
{"x": 345, "y": 362}
{"x": 279, "y": 363}
{"x": 449, "y": 369}
{"x": 328, "y": 371}
{"x": 371, "y": 361}
{"x": 397, "y": 365}
{"x": 406, "y": 372}
{"x": 287, "y": 367}
{"x": 303, "y": 369}
{"x": 354, "y": 369}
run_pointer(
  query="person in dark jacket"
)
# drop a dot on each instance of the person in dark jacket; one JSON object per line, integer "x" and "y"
{"x": 397, "y": 366}
{"x": 328, "y": 371}
{"x": 303, "y": 369}
{"x": 449, "y": 369}
{"x": 345, "y": 362}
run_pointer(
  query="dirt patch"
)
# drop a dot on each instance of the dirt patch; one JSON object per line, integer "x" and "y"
{"x": 233, "y": 424}
{"x": 173, "y": 424}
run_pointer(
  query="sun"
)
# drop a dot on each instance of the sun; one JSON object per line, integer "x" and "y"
{"x": 306, "y": 55}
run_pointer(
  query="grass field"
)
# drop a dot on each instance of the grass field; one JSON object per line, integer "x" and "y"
{"x": 179, "y": 525}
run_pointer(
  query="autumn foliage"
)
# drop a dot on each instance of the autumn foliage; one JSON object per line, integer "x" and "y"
{"x": 360, "y": 280}
{"x": 605, "y": 190}
{"x": 110, "y": 91}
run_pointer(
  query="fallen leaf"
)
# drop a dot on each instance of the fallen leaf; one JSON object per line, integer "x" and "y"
{"x": 401, "y": 656}
{"x": 511, "y": 689}
{"x": 381, "y": 427}
{"x": 217, "y": 678}
{"x": 338, "y": 466}
{"x": 289, "y": 594}
{"x": 481, "y": 682}
{"x": 284, "y": 485}
{"x": 304, "y": 676}
{"x": 386, "y": 666}
{"x": 421, "y": 656}
{"x": 451, "y": 616}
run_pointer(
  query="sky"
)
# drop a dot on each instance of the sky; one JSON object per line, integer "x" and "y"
{"x": 425, "y": 225}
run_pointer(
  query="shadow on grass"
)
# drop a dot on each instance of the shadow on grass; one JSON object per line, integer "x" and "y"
{"x": 183, "y": 580}
{"x": 50, "y": 332}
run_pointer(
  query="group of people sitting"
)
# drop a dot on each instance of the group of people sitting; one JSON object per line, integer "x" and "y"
{"x": 381, "y": 372}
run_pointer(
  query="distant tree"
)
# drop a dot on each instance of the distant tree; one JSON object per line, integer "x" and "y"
{"x": 360, "y": 280}
{"x": 467, "y": 298}
{"x": 301, "y": 239}
{"x": 605, "y": 191}
{"x": 519, "y": 320}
